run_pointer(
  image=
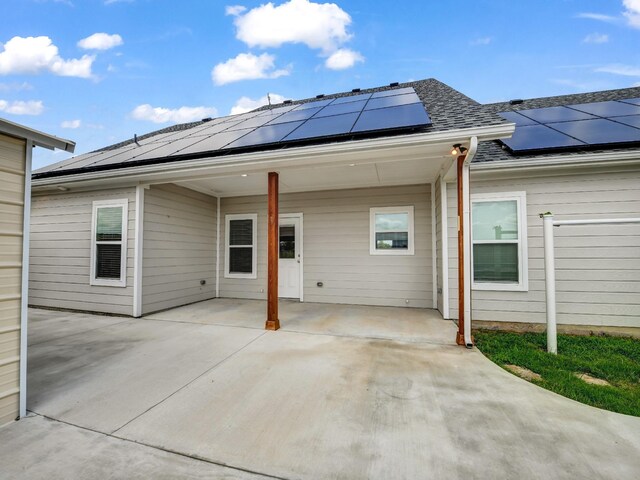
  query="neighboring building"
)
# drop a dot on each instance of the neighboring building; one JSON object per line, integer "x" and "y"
{"x": 368, "y": 184}
{"x": 16, "y": 144}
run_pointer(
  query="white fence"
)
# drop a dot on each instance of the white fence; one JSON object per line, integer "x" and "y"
{"x": 550, "y": 269}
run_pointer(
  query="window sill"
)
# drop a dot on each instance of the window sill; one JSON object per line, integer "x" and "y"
{"x": 391, "y": 252}
{"x": 251, "y": 276}
{"x": 501, "y": 287}
{"x": 97, "y": 282}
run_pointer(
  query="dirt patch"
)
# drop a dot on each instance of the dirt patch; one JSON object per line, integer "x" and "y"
{"x": 592, "y": 380}
{"x": 523, "y": 372}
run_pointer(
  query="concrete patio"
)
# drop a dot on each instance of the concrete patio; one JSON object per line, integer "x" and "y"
{"x": 349, "y": 392}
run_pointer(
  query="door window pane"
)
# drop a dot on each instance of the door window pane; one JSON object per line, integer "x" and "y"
{"x": 495, "y": 220}
{"x": 287, "y": 241}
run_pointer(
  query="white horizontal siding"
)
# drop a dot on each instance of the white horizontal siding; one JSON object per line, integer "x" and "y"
{"x": 597, "y": 266}
{"x": 336, "y": 248}
{"x": 179, "y": 246}
{"x": 60, "y": 253}
{"x": 12, "y": 170}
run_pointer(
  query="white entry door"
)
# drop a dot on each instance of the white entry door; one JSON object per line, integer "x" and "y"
{"x": 290, "y": 256}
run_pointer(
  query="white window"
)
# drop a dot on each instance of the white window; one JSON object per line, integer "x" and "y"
{"x": 109, "y": 243}
{"x": 499, "y": 236}
{"x": 241, "y": 239}
{"x": 391, "y": 231}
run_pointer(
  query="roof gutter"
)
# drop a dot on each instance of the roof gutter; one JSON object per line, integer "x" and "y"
{"x": 276, "y": 158}
{"x": 38, "y": 138}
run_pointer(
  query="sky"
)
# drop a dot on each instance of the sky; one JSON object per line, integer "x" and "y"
{"x": 99, "y": 71}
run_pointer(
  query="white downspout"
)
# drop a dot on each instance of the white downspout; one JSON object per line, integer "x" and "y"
{"x": 138, "y": 252}
{"x": 445, "y": 247}
{"x": 218, "y": 247}
{"x": 434, "y": 247}
{"x": 24, "y": 295}
{"x": 466, "y": 219}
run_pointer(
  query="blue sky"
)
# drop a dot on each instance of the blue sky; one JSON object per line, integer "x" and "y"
{"x": 98, "y": 71}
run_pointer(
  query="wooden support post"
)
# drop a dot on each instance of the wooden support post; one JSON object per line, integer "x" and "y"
{"x": 461, "y": 193}
{"x": 273, "y": 323}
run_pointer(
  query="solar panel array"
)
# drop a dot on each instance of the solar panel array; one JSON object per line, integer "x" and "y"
{"x": 581, "y": 126}
{"x": 387, "y": 110}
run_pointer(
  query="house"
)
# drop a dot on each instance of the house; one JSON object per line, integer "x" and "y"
{"x": 408, "y": 195}
{"x": 16, "y": 144}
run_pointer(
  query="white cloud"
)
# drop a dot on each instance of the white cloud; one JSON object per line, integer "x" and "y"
{"x": 320, "y": 26}
{"x": 620, "y": 69}
{"x": 176, "y": 115}
{"x": 100, "y": 41}
{"x": 71, "y": 124}
{"x": 342, "y": 59}
{"x": 599, "y": 17}
{"x": 481, "y": 41}
{"x": 596, "y": 38}
{"x": 111, "y": 2}
{"x": 246, "y": 104}
{"x": 234, "y": 10}
{"x": 632, "y": 12}
{"x": 246, "y": 66}
{"x": 33, "y": 55}
{"x": 18, "y": 107}
{"x": 15, "y": 87}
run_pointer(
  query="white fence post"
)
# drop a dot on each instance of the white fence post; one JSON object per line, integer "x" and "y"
{"x": 550, "y": 282}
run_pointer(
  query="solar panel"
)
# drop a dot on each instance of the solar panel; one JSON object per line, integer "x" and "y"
{"x": 555, "y": 114}
{"x": 411, "y": 115}
{"x": 397, "y": 91}
{"x": 539, "y": 137}
{"x": 518, "y": 119}
{"x": 608, "y": 109}
{"x": 295, "y": 115}
{"x": 585, "y": 125}
{"x": 265, "y": 135}
{"x": 341, "y": 108}
{"x": 392, "y": 101}
{"x": 352, "y": 98}
{"x": 599, "y": 131}
{"x": 344, "y": 117}
{"x": 324, "y": 126}
{"x": 632, "y": 120}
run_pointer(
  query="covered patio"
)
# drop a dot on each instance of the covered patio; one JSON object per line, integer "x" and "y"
{"x": 339, "y": 392}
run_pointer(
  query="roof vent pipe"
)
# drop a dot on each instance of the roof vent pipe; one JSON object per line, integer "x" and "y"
{"x": 516, "y": 101}
{"x": 287, "y": 102}
{"x": 320, "y": 96}
{"x": 135, "y": 139}
{"x": 355, "y": 90}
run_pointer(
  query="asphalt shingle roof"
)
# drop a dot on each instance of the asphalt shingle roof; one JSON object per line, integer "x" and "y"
{"x": 448, "y": 108}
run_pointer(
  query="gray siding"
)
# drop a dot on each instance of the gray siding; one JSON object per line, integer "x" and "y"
{"x": 336, "y": 248}
{"x": 12, "y": 170}
{"x": 60, "y": 253}
{"x": 179, "y": 245}
{"x": 597, "y": 267}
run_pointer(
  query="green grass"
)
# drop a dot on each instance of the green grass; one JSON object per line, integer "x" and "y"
{"x": 614, "y": 359}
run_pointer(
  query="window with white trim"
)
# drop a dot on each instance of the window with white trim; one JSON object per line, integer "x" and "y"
{"x": 241, "y": 240}
{"x": 499, "y": 238}
{"x": 109, "y": 243}
{"x": 391, "y": 231}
